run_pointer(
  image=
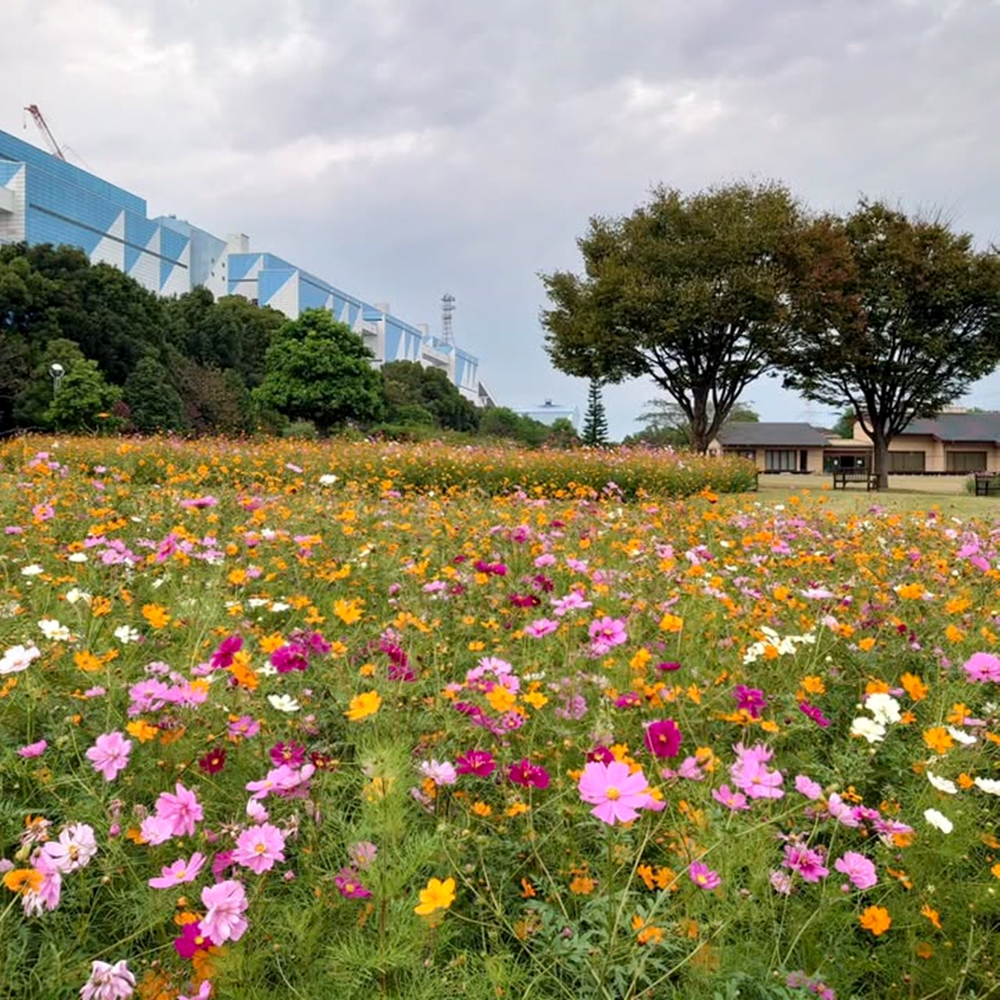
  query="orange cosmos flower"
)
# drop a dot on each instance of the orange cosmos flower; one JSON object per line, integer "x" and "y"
{"x": 875, "y": 919}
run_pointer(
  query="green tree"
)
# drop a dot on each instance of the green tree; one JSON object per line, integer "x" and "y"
{"x": 502, "y": 422}
{"x": 895, "y": 316}
{"x": 231, "y": 333}
{"x": 84, "y": 400}
{"x": 665, "y": 423}
{"x": 690, "y": 291}
{"x": 318, "y": 369}
{"x": 595, "y": 422}
{"x": 153, "y": 403}
{"x": 407, "y": 384}
{"x": 562, "y": 434}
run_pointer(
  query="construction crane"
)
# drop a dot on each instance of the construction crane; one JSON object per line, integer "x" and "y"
{"x": 43, "y": 127}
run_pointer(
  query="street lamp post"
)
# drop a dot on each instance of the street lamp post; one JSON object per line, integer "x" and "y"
{"x": 57, "y": 372}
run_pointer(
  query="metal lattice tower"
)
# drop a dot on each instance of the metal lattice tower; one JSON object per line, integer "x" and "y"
{"x": 447, "y": 308}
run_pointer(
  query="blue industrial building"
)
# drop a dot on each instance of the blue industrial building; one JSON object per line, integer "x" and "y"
{"x": 44, "y": 199}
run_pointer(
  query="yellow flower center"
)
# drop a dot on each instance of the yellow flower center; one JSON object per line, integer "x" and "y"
{"x": 613, "y": 794}
{"x": 260, "y": 848}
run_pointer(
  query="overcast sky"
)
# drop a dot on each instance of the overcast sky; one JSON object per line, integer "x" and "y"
{"x": 405, "y": 148}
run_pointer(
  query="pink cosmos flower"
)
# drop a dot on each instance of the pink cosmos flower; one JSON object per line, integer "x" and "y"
{"x": 179, "y": 872}
{"x": 804, "y": 785}
{"x": 441, "y": 772}
{"x": 156, "y": 830}
{"x": 703, "y": 876}
{"x": 225, "y": 904}
{"x": 74, "y": 848}
{"x": 108, "y": 982}
{"x": 858, "y": 869}
{"x": 663, "y": 738}
{"x": 181, "y": 810}
{"x": 33, "y": 749}
{"x": 752, "y": 777}
{"x": 204, "y": 992}
{"x": 982, "y": 667}
{"x": 47, "y": 896}
{"x": 735, "y": 801}
{"x": 259, "y": 847}
{"x": 615, "y": 792}
{"x": 605, "y": 634}
{"x": 278, "y": 780}
{"x": 363, "y": 853}
{"x": 841, "y": 811}
{"x": 109, "y": 754}
{"x": 689, "y": 769}
{"x": 541, "y": 627}
{"x": 246, "y": 726}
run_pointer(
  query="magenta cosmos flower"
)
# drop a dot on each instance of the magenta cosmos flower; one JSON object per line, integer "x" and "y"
{"x": 33, "y": 749}
{"x": 108, "y": 982}
{"x": 349, "y": 885}
{"x": 259, "y": 847}
{"x": 477, "y": 762}
{"x": 182, "y": 870}
{"x": 703, "y": 876}
{"x": 109, "y": 754}
{"x": 663, "y": 738}
{"x": 225, "y": 904}
{"x": 615, "y": 792}
{"x": 525, "y": 773}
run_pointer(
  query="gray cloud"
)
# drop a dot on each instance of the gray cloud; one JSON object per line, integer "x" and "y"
{"x": 401, "y": 148}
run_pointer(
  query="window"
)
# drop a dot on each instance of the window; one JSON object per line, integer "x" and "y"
{"x": 750, "y": 453}
{"x": 907, "y": 461}
{"x": 783, "y": 460}
{"x": 966, "y": 461}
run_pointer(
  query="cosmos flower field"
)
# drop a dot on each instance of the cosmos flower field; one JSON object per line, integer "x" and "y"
{"x": 352, "y": 720}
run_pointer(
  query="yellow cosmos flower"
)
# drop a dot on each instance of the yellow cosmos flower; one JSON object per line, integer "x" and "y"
{"x": 437, "y": 896}
{"x": 362, "y": 705}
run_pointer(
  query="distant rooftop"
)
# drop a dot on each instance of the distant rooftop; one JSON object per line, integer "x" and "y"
{"x": 959, "y": 426}
{"x": 745, "y": 434}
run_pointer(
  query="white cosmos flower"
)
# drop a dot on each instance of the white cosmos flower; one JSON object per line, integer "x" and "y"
{"x": 279, "y": 606}
{"x": 78, "y": 557}
{"x": 938, "y": 820}
{"x": 53, "y": 631}
{"x": 17, "y": 658}
{"x": 883, "y": 707}
{"x": 989, "y": 785}
{"x": 75, "y": 594}
{"x": 942, "y": 784}
{"x": 124, "y": 634}
{"x": 960, "y": 736}
{"x": 33, "y": 570}
{"x": 328, "y": 479}
{"x": 871, "y": 730}
{"x": 283, "y": 702}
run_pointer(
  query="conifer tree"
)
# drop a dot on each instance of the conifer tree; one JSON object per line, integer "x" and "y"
{"x": 595, "y": 423}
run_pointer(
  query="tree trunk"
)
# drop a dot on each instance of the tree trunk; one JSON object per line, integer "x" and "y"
{"x": 699, "y": 426}
{"x": 880, "y": 457}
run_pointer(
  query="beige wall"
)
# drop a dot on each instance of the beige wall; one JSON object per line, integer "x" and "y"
{"x": 935, "y": 451}
{"x": 814, "y": 456}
